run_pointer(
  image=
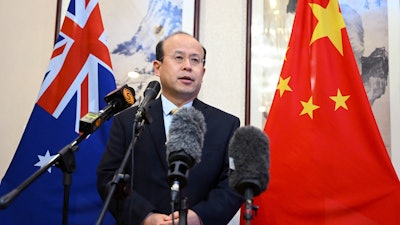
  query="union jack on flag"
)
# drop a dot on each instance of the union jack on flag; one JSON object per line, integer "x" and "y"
{"x": 79, "y": 75}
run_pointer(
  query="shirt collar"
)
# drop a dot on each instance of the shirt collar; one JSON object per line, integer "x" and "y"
{"x": 167, "y": 105}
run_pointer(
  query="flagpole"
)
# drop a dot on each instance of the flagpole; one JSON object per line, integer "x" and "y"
{"x": 58, "y": 20}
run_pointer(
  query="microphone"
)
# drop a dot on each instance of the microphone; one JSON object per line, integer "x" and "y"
{"x": 184, "y": 145}
{"x": 150, "y": 93}
{"x": 116, "y": 100}
{"x": 249, "y": 164}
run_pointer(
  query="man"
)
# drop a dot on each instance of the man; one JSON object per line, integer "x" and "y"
{"x": 179, "y": 64}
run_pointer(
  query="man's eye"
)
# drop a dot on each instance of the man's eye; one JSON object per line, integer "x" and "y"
{"x": 195, "y": 60}
{"x": 179, "y": 58}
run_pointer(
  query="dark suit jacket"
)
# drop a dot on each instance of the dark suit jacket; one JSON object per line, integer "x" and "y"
{"x": 207, "y": 190}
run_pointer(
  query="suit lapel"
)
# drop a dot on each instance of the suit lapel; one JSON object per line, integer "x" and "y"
{"x": 201, "y": 106}
{"x": 157, "y": 130}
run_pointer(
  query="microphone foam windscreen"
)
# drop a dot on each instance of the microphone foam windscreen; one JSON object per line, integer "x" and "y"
{"x": 153, "y": 88}
{"x": 121, "y": 98}
{"x": 249, "y": 151}
{"x": 186, "y": 133}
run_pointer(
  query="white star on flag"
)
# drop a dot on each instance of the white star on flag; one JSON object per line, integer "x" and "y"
{"x": 43, "y": 160}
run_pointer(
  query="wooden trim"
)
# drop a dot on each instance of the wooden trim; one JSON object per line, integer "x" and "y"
{"x": 196, "y": 19}
{"x": 248, "y": 63}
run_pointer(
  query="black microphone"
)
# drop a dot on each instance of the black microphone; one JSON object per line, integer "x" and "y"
{"x": 249, "y": 164}
{"x": 116, "y": 100}
{"x": 184, "y": 144}
{"x": 150, "y": 93}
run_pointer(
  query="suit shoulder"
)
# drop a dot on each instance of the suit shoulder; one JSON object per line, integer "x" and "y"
{"x": 223, "y": 113}
{"x": 214, "y": 113}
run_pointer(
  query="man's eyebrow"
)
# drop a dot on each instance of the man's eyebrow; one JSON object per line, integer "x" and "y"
{"x": 178, "y": 52}
{"x": 182, "y": 52}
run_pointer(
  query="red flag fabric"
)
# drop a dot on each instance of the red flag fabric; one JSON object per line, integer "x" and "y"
{"x": 329, "y": 164}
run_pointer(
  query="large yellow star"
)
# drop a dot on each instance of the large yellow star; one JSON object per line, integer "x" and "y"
{"x": 330, "y": 23}
{"x": 340, "y": 100}
{"x": 308, "y": 107}
{"x": 283, "y": 85}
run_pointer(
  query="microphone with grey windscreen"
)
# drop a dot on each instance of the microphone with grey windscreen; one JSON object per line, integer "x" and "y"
{"x": 184, "y": 144}
{"x": 249, "y": 161}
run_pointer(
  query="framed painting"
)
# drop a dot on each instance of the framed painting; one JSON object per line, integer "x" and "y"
{"x": 271, "y": 24}
{"x": 134, "y": 27}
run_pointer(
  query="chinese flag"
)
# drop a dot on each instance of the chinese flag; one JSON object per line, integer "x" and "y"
{"x": 329, "y": 164}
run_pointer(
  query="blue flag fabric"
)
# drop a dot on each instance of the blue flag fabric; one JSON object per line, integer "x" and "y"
{"x": 78, "y": 77}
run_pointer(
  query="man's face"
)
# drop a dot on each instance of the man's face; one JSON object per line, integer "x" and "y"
{"x": 181, "y": 70}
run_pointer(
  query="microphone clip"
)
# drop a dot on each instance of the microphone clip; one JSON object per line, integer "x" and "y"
{"x": 142, "y": 118}
{"x": 249, "y": 209}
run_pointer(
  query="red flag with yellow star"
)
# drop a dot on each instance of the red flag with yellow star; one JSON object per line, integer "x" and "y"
{"x": 328, "y": 161}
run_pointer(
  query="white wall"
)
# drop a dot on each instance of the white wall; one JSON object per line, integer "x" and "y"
{"x": 394, "y": 80}
{"x": 27, "y": 37}
{"x": 223, "y": 33}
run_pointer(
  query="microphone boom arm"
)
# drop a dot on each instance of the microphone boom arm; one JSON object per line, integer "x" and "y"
{"x": 65, "y": 160}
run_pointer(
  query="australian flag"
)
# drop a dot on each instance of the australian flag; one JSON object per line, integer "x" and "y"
{"x": 78, "y": 77}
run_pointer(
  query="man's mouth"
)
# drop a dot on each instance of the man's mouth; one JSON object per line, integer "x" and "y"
{"x": 186, "y": 78}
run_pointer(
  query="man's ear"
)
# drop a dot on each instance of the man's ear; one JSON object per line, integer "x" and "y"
{"x": 156, "y": 67}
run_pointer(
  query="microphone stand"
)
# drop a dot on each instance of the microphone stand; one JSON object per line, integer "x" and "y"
{"x": 138, "y": 125}
{"x": 65, "y": 159}
{"x": 183, "y": 211}
{"x": 249, "y": 207}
